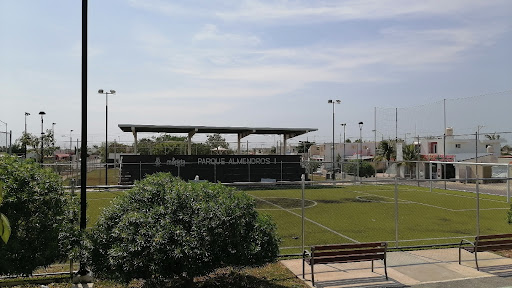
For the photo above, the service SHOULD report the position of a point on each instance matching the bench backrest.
(493, 242)
(348, 252)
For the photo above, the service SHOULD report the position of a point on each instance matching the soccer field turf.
(364, 213)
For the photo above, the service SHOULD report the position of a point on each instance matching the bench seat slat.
(492, 242)
(348, 252)
(494, 247)
(495, 236)
(348, 258)
(348, 246)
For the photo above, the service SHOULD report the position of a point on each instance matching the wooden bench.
(486, 243)
(344, 253)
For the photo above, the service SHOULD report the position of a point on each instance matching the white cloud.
(210, 32)
(314, 11)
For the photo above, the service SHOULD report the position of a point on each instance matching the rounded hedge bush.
(41, 214)
(165, 228)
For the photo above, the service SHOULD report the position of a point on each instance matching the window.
(457, 145)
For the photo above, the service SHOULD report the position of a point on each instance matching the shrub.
(509, 215)
(40, 214)
(365, 169)
(165, 228)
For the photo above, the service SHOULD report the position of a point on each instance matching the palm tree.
(493, 136)
(385, 152)
(410, 154)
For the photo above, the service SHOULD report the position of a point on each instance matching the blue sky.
(257, 63)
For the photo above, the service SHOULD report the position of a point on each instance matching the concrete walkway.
(423, 268)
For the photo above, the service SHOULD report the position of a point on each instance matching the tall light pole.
(106, 130)
(70, 143)
(25, 136)
(53, 136)
(336, 101)
(42, 134)
(6, 141)
(343, 158)
(359, 155)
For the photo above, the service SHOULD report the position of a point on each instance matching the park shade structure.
(242, 132)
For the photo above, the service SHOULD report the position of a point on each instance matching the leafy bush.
(165, 228)
(365, 168)
(509, 215)
(41, 217)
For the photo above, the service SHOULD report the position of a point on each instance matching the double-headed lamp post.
(336, 101)
(25, 136)
(101, 91)
(42, 134)
(360, 152)
(343, 158)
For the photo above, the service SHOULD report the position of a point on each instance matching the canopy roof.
(290, 132)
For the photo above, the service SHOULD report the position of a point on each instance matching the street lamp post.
(359, 155)
(70, 143)
(343, 158)
(6, 140)
(25, 136)
(42, 134)
(336, 101)
(106, 130)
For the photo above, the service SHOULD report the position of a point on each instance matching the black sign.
(214, 168)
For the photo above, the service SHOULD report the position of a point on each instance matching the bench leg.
(385, 269)
(476, 261)
(303, 264)
(372, 265)
(313, 273)
(459, 254)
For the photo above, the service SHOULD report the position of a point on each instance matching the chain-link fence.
(405, 203)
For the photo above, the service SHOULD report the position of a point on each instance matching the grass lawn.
(344, 214)
(366, 213)
(273, 275)
(97, 177)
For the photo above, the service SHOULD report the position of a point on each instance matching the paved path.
(424, 268)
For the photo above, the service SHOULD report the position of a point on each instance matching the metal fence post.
(303, 178)
(215, 172)
(281, 170)
(249, 172)
(444, 174)
(508, 183)
(396, 211)
(477, 206)
(430, 173)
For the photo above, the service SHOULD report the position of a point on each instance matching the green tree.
(165, 228)
(410, 154)
(303, 146)
(216, 141)
(34, 141)
(493, 136)
(386, 150)
(365, 168)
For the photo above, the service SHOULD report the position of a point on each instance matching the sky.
(256, 63)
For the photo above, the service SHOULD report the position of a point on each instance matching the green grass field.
(363, 213)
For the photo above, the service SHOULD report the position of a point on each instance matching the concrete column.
(134, 132)
(239, 150)
(190, 135)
